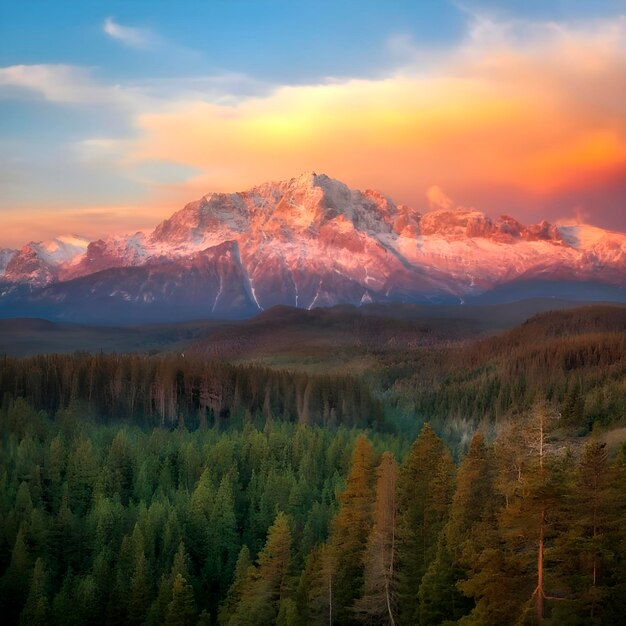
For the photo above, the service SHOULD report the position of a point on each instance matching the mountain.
(307, 242)
(40, 263)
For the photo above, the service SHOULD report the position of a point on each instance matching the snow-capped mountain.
(40, 263)
(306, 242)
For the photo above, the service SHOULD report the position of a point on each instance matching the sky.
(115, 114)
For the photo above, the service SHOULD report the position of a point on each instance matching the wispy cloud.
(71, 84)
(438, 199)
(37, 224)
(131, 36)
(57, 83)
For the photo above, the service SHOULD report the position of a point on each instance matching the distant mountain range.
(307, 242)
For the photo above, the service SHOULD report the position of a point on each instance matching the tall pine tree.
(350, 529)
(425, 485)
(377, 604)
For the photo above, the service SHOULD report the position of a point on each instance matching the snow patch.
(317, 295)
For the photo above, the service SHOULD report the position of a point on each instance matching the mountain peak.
(311, 241)
(308, 178)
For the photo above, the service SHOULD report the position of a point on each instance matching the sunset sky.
(115, 114)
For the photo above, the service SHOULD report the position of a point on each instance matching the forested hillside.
(575, 359)
(165, 489)
(296, 524)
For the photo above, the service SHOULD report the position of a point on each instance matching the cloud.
(71, 84)
(519, 110)
(58, 83)
(437, 199)
(36, 224)
(130, 36)
(520, 117)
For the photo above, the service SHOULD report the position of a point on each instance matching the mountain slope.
(306, 242)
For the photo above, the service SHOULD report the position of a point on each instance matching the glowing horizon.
(516, 114)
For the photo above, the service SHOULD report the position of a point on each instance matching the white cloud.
(101, 151)
(128, 35)
(58, 83)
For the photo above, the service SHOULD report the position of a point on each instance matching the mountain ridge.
(308, 241)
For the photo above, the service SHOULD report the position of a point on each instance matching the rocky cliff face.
(308, 242)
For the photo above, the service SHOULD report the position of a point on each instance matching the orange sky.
(531, 125)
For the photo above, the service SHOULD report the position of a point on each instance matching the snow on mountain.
(105, 254)
(63, 249)
(312, 241)
(42, 262)
(6, 254)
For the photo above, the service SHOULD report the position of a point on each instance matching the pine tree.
(118, 608)
(222, 534)
(377, 604)
(269, 582)
(583, 548)
(235, 592)
(64, 605)
(181, 610)
(36, 610)
(201, 505)
(139, 599)
(180, 565)
(425, 484)
(512, 563)
(350, 529)
(315, 588)
(615, 607)
(460, 542)
(13, 591)
(82, 471)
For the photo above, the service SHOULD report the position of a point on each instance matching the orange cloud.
(92, 222)
(521, 117)
(534, 116)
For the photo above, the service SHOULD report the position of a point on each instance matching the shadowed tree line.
(171, 390)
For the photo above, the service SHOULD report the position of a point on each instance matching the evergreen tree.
(513, 561)
(64, 605)
(139, 599)
(439, 598)
(118, 608)
(82, 472)
(269, 582)
(315, 598)
(181, 610)
(235, 592)
(350, 530)
(222, 534)
(425, 486)
(615, 607)
(584, 549)
(12, 585)
(36, 609)
(459, 545)
(377, 605)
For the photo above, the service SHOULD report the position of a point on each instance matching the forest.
(474, 483)
(300, 524)
(574, 359)
(172, 390)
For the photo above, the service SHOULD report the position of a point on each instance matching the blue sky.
(279, 41)
(79, 81)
